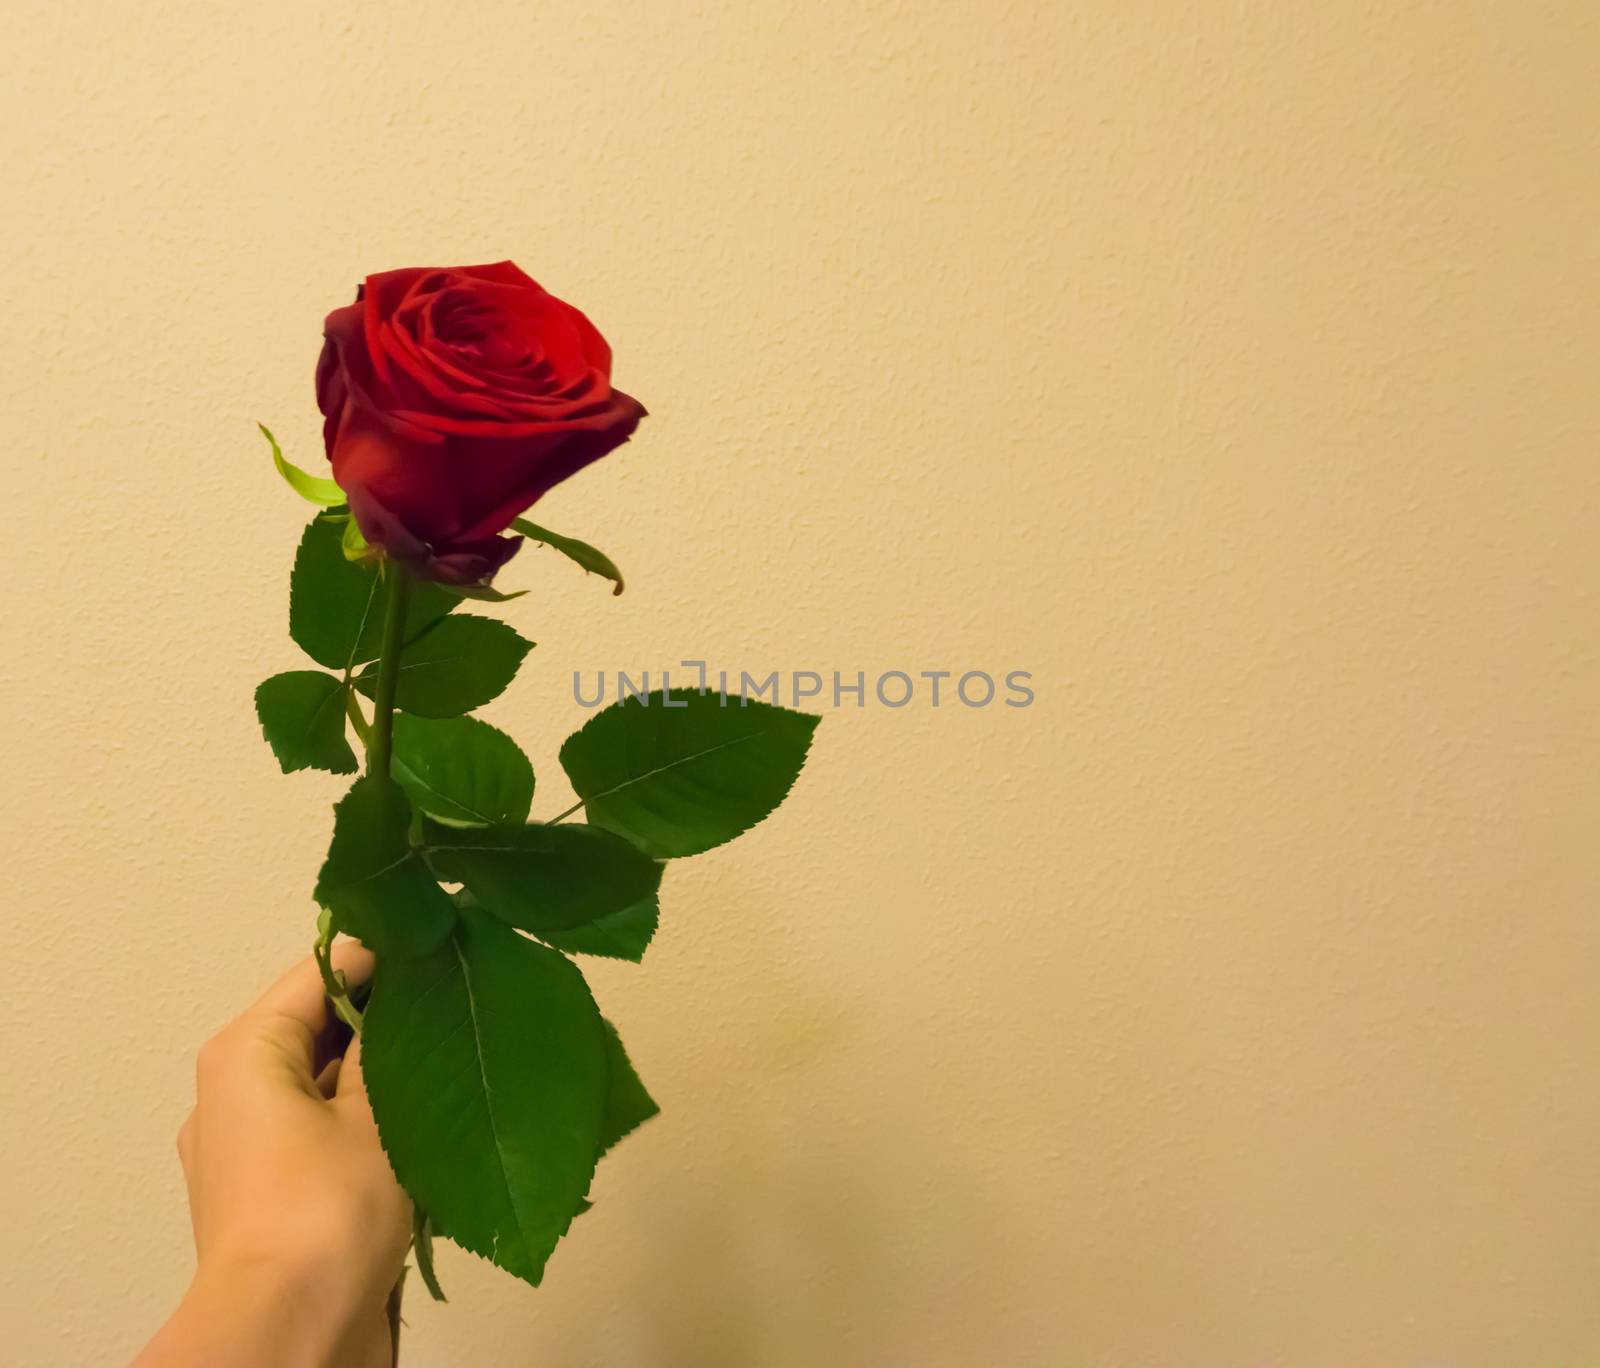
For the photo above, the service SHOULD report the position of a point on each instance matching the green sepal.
(679, 780)
(455, 666)
(355, 546)
(591, 558)
(302, 716)
(485, 593)
(315, 488)
(544, 877)
(487, 1066)
(374, 881)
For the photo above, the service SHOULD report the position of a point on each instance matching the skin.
(300, 1229)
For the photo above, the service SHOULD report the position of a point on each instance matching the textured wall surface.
(1231, 368)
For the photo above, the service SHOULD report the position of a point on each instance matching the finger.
(297, 996)
(356, 966)
(352, 1083)
(299, 993)
(331, 1042)
(295, 1009)
(328, 1079)
(353, 960)
(350, 1096)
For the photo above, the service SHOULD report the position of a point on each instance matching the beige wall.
(1232, 368)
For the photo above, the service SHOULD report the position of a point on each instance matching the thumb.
(350, 1092)
(352, 1086)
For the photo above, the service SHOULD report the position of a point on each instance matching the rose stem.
(394, 631)
(380, 744)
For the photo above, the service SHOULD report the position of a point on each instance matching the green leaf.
(376, 884)
(302, 716)
(462, 771)
(313, 487)
(628, 1105)
(422, 1242)
(589, 557)
(679, 780)
(486, 1066)
(619, 935)
(544, 878)
(457, 665)
(336, 606)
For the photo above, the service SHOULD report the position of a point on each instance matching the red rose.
(453, 399)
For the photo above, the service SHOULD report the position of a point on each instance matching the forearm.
(259, 1317)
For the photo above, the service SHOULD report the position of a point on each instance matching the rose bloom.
(453, 398)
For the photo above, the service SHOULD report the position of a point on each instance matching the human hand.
(300, 1228)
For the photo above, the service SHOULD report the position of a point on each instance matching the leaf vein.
(361, 627)
(674, 764)
(488, 1101)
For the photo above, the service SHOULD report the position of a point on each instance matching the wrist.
(285, 1310)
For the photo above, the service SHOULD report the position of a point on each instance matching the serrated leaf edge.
(366, 681)
(441, 1228)
(452, 821)
(805, 754)
(655, 926)
(273, 745)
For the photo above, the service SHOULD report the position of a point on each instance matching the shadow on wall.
(790, 1233)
